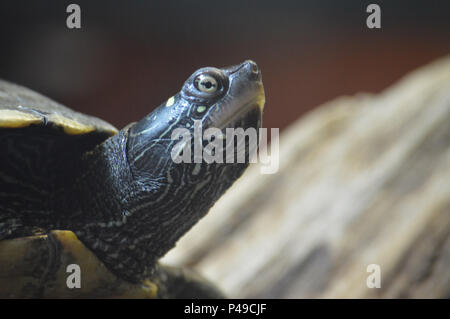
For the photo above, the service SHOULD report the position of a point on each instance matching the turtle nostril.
(254, 73)
(254, 67)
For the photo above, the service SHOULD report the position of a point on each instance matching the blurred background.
(129, 56)
(363, 182)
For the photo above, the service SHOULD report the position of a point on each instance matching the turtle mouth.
(236, 112)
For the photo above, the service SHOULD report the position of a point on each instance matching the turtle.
(80, 197)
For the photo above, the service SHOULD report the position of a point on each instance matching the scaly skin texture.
(133, 222)
(126, 199)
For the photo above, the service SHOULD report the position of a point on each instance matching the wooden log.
(362, 180)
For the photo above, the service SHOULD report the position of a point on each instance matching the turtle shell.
(38, 136)
(42, 267)
(22, 107)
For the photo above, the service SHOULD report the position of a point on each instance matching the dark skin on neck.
(133, 202)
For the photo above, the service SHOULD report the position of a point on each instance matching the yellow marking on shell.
(96, 275)
(14, 275)
(21, 261)
(150, 288)
(70, 126)
(170, 101)
(66, 237)
(92, 268)
(15, 119)
(84, 257)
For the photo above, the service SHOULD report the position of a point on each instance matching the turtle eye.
(206, 83)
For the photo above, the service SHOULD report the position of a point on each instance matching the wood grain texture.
(362, 180)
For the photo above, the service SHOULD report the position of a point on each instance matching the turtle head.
(191, 149)
(176, 162)
(210, 100)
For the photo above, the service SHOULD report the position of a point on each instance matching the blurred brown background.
(129, 56)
